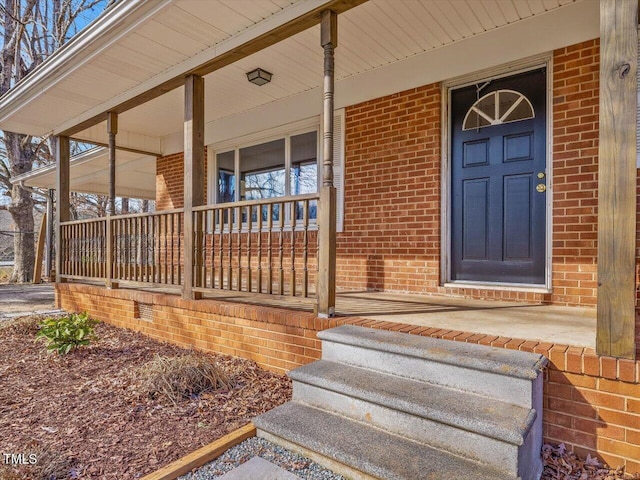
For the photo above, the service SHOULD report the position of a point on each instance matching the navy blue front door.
(498, 180)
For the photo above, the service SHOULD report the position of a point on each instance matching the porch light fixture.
(259, 76)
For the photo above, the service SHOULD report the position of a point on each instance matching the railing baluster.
(230, 252)
(203, 248)
(179, 248)
(305, 249)
(211, 227)
(249, 270)
(281, 215)
(270, 247)
(151, 239)
(221, 272)
(292, 280)
(238, 212)
(259, 272)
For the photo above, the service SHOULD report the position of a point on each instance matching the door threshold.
(510, 287)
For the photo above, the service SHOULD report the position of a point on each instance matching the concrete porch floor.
(548, 323)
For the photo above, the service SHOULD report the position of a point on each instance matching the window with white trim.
(282, 164)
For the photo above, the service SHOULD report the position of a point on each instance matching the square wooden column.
(63, 155)
(326, 284)
(617, 178)
(112, 130)
(193, 177)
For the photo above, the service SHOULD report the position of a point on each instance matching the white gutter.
(98, 36)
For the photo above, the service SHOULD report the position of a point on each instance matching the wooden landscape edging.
(203, 455)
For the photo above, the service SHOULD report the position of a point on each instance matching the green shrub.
(67, 333)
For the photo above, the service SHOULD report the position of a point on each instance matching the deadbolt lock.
(540, 174)
(541, 187)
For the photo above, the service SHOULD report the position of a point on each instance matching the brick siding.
(392, 195)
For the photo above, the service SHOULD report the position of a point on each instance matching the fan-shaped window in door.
(496, 108)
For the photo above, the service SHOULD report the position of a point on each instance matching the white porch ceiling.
(373, 35)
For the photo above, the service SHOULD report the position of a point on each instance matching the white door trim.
(531, 63)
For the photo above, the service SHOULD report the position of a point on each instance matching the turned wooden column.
(326, 283)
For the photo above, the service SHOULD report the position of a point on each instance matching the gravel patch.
(255, 446)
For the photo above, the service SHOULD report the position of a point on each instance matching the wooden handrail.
(264, 201)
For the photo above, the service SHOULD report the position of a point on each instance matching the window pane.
(226, 177)
(304, 163)
(262, 173)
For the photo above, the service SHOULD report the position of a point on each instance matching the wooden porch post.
(326, 285)
(193, 177)
(62, 196)
(50, 235)
(617, 178)
(112, 130)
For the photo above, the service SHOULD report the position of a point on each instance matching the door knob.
(541, 187)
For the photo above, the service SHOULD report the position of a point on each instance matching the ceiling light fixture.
(259, 77)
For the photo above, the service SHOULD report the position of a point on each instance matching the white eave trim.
(86, 156)
(112, 25)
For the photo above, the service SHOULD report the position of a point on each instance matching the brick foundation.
(591, 403)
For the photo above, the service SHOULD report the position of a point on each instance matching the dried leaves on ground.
(83, 413)
(560, 464)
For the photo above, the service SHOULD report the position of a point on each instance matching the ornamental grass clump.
(180, 377)
(67, 333)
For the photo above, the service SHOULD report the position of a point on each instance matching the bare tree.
(30, 31)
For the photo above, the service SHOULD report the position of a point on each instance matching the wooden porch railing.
(262, 246)
(83, 248)
(139, 248)
(147, 248)
(259, 246)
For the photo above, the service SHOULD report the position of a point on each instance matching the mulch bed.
(80, 414)
(561, 464)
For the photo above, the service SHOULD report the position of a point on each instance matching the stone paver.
(258, 468)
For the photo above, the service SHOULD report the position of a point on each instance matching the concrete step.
(467, 424)
(361, 451)
(506, 375)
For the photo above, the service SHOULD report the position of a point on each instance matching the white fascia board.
(278, 19)
(558, 28)
(118, 21)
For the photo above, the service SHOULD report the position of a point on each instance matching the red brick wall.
(575, 173)
(170, 182)
(591, 403)
(392, 196)
(391, 236)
